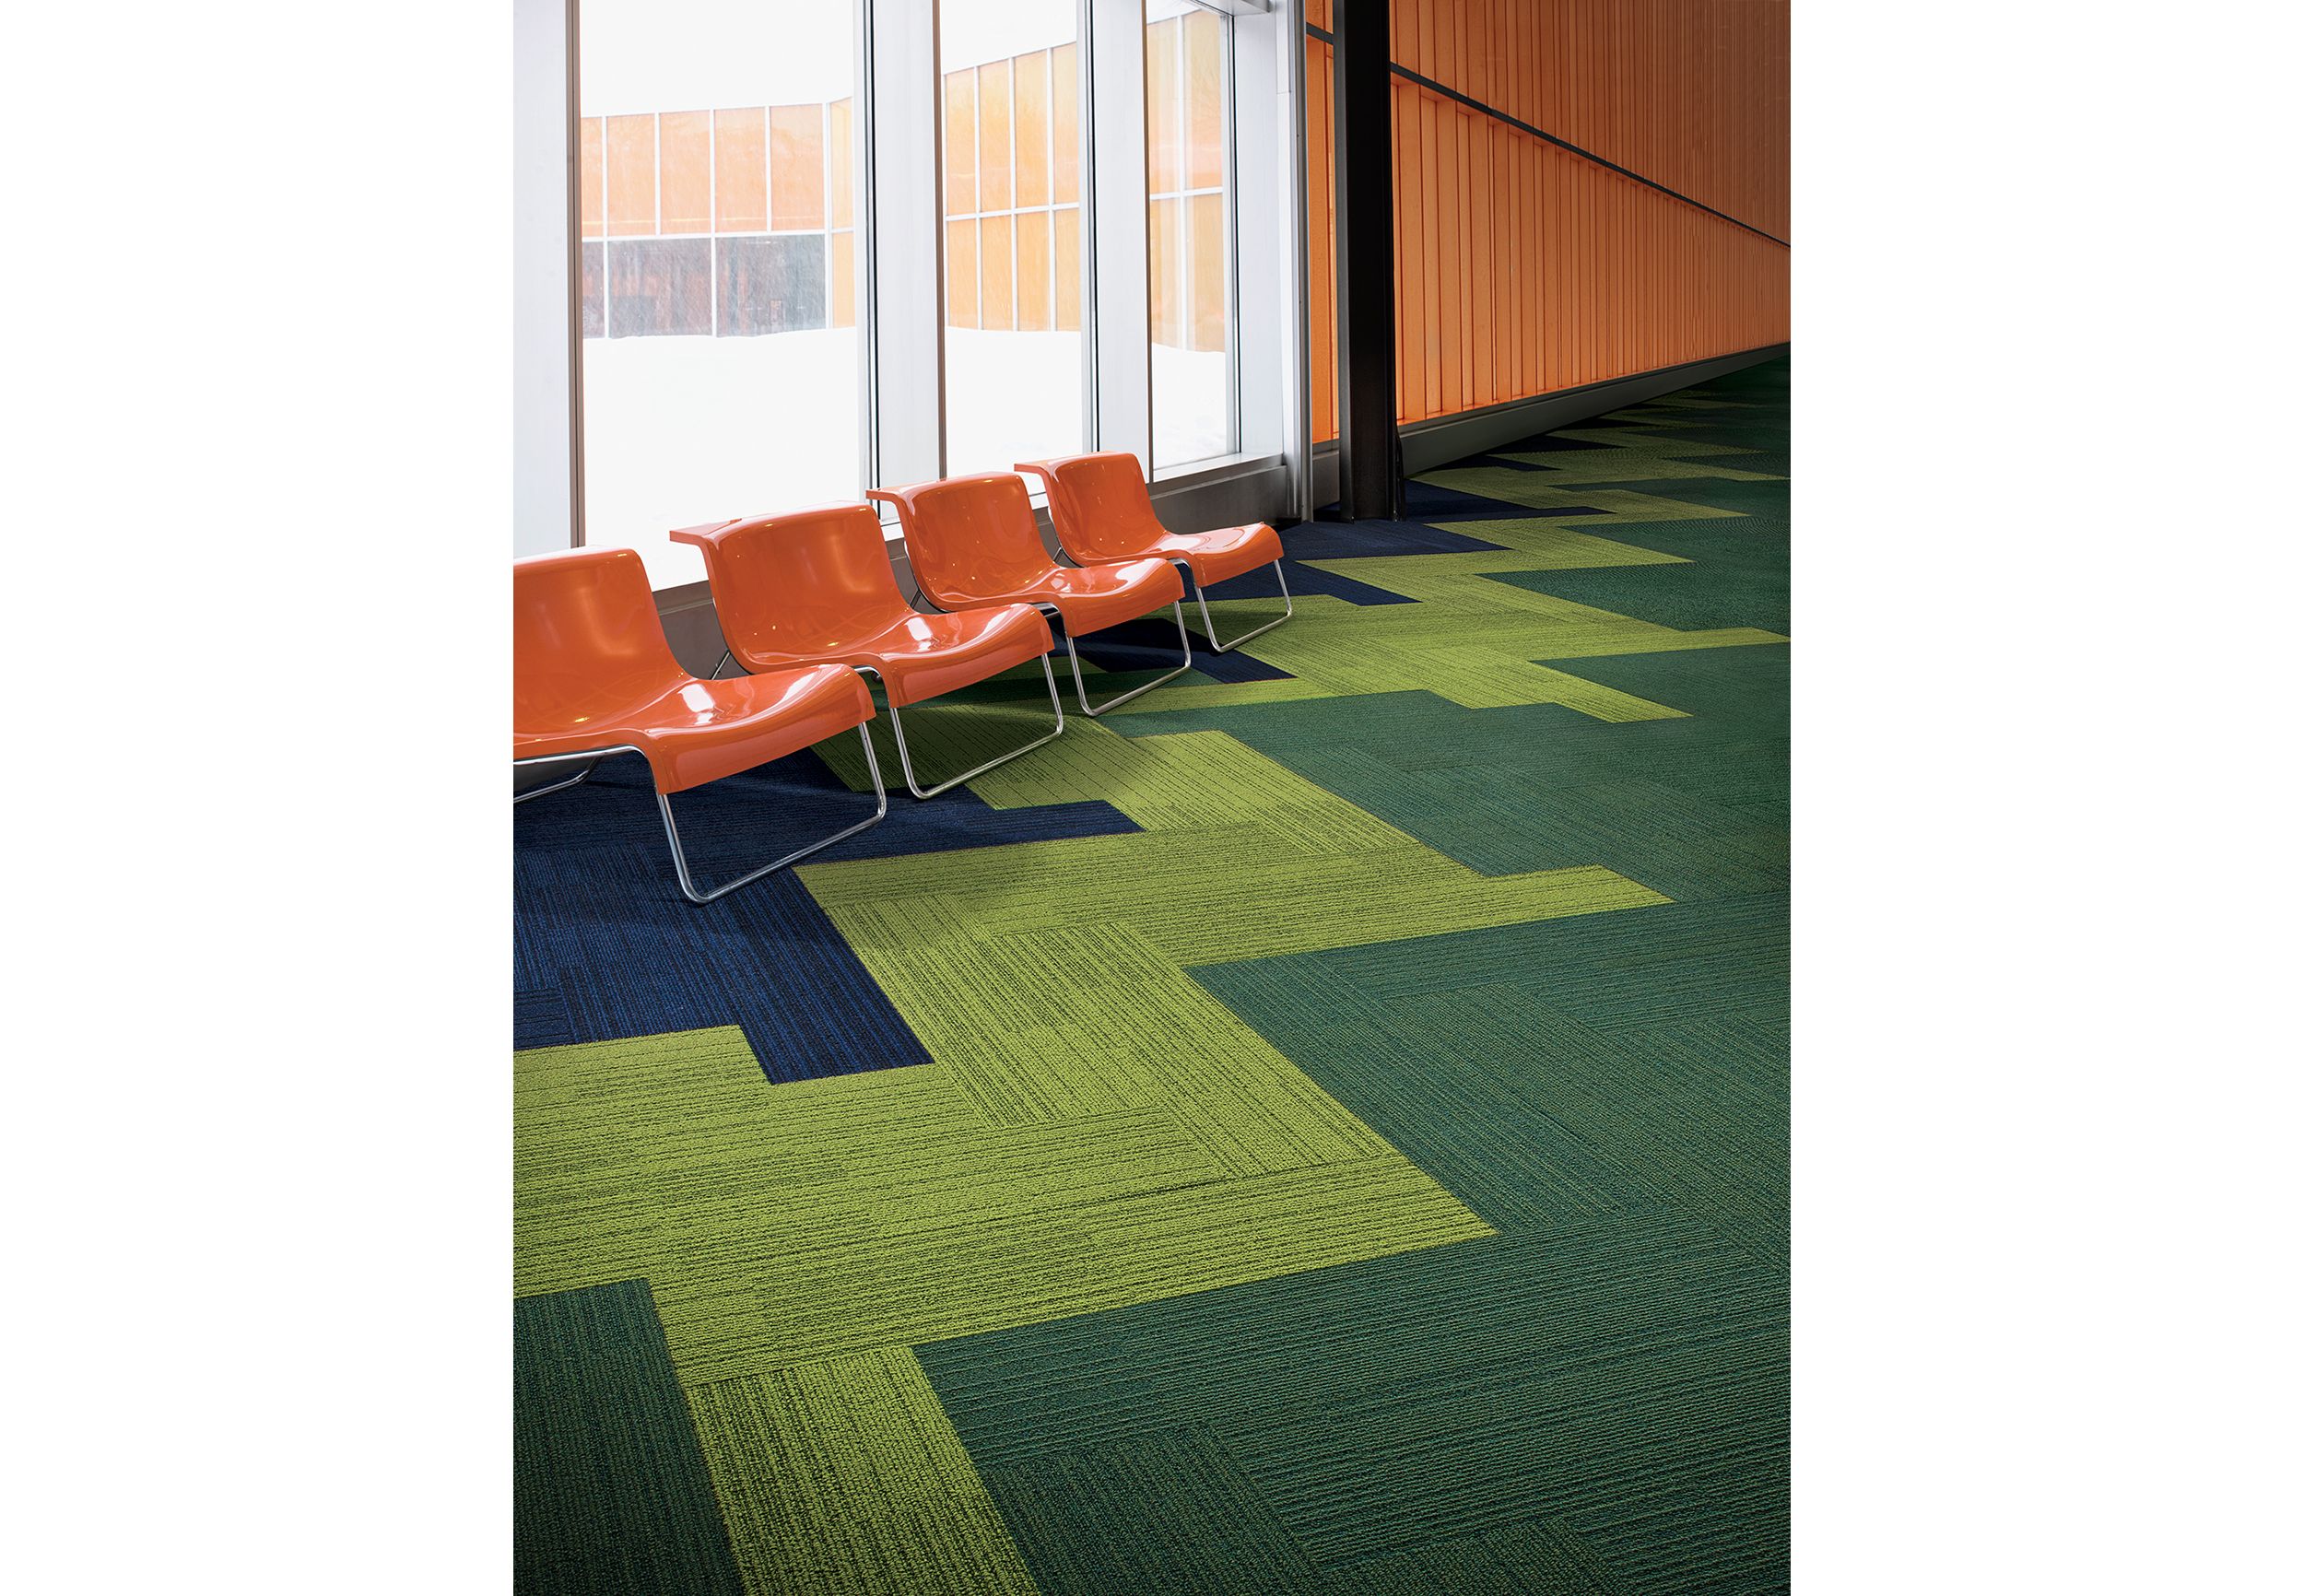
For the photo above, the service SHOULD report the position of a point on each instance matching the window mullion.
(904, 240)
(1116, 199)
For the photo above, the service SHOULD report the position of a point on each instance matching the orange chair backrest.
(810, 582)
(970, 538)
(1100, 505)
(586, 642)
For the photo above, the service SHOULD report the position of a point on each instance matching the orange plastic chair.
(973, 543)
(1103, 512)
(815, 586)
(593, 677)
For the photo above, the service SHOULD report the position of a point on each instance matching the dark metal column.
(1367, 431)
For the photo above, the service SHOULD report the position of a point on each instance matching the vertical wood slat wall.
(1320, 141)
(1522, 268)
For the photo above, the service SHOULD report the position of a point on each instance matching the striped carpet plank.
(883, 1210)
(747, 1307)
(1675, 443)
(1608, 506)
(1540, 1559)
(610, 1493)
(1539, 1376)
(1163, 1511)
(1667, 464)
(842, 1477)
(1724, 954)
(1126, 1029)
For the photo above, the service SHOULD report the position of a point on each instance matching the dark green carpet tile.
(1658, 965)
(1735, 577)
(1766, 501)
(1165, 1510)
(1691, 805)
(609, 1489)
(1171, 1511)
(1546, 1080)
(1393, 1409)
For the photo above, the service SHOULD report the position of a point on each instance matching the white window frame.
(898, 128)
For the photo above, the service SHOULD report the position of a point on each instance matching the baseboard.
(1425, 445)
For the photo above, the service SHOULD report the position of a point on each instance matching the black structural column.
(1367, 431)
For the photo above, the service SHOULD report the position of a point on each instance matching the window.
(1186, 71)
(1014, 371)
(1065, 234)
(717, 207)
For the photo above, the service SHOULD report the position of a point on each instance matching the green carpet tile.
(610, 1491)
(1366, 1177)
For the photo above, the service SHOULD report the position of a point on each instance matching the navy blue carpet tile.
(605, 946)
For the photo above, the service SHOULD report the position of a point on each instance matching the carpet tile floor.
(1319, 1131)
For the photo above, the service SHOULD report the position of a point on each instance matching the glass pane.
(720, 361)
(1187, 164)
(1012, 352)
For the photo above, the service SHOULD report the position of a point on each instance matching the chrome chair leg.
(555, 787)
(1208, 622)
(904, 754)
(1092, 710)
(680, 860)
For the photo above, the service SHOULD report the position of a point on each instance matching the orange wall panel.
(1691, 94)
(1525, 268)
(1320, 225)
(1408, 179)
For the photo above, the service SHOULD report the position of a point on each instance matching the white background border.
(2045, 949)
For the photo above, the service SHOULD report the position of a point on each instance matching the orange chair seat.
(1097, 596)
(696, 731)
(973, 543)
(1221, 554)
(923, 656)
(815, 585)
(1102, 510)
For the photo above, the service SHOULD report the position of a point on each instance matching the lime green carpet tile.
(1319, 1131)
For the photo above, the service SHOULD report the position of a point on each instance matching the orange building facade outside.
(746, 172)
(1523, 268)
(1011, 187)
(1011, 192)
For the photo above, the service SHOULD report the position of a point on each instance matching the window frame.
(1228, 111)
(897, 133)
